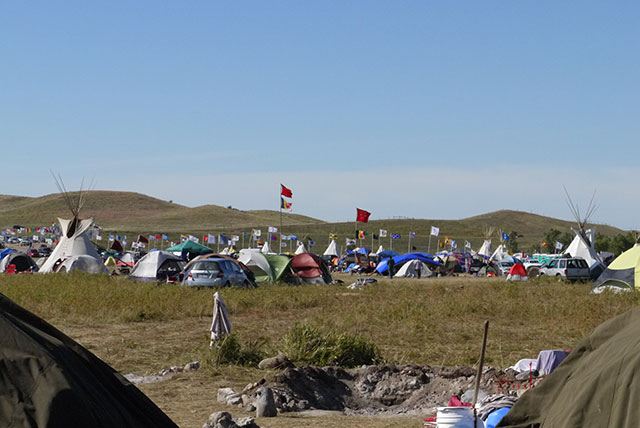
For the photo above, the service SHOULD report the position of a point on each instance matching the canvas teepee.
(582, 244)
(485, 249)
(74, 241)
(332, 249)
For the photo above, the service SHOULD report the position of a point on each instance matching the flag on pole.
(435, 231)
(285, 192)
(505, 237)
(383, 233)
(257, 232)
(362, 215)
(467, 244)
(312, 243)
(453, 244)
(350, 241)
(412, 235)
(165, 237)
(183, 238)
(285, 205)
(273, 229)
(361, 234)
(224, 240)
(333, 236)
(559, 245)
(396, 236)
(211, 239)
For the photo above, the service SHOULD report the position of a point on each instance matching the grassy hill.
(128, 212)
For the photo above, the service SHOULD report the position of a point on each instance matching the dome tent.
(622, 274)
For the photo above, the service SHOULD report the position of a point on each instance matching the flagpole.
(390, 241)
(409, 244)
(429, 250)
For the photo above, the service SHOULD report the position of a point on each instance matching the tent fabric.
(82, 263)
(74, 242)
(191, 247)
(485, 249)
(595, 386)
(280, 265)
(148, 266)
(500, 253)
(22, 261)
(49, 380)
(301, 249)
(380, 249)
(517, 273)
(311, 269)
(332, 249)
(414, 269)
(623, 272)
(403, 258)
(258, 263)
(386, 254)
(266, 248)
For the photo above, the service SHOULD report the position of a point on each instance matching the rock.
(247, 423)
(265, 405)
(220, 420)
(250, 407)
(252, 386)
(234, 400)
(280, 361)
(192, 366)
(226, 394)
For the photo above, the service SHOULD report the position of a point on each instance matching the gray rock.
(192, 366)
(247, 423)
(280, 361)
(252, 386)
(220, 420)
(250, 407)
(226, 394)
(265, 405)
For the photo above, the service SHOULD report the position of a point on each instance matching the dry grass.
(142, 328)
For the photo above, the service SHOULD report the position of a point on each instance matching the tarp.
(623, 272)
(403, 258)
(386, 254)
(191, 247)
(49, 380)
(595, 386)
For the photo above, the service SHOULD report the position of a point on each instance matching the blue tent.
(360, 251)
(5, 252)
(401, 259)
(386, 254)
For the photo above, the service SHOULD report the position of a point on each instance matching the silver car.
(575, 269)
(215, 272)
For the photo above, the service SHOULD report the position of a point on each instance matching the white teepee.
(332, 249)
(485, 249)
(266, 248)
(74, 241)
(301, 248)
(380, 249)
(582, 244)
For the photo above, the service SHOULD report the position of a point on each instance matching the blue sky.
(415, 108)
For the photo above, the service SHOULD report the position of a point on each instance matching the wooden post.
(481, 364)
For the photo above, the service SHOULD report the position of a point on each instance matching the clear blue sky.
(412, 108)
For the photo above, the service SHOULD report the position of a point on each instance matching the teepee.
(301, 248)
(485, 249)
(266, 248)
(74, 241)
(332, 249)
(582, 244)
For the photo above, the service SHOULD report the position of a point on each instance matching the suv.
(215, 272)
(574, 269)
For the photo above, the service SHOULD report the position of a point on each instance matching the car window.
(578, 263)
(561, 264)
(205, 265)
(553, 263)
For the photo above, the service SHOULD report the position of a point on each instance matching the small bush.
(309, 345)
(231, 351)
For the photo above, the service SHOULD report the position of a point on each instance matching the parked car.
(215, 272)
(13, 240)
(504, 267)
(527, 263)
(574, 269)
(33, 252)
(44, 251)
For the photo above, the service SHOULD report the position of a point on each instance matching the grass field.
(142, 328)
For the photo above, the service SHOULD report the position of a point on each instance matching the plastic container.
(457, 417)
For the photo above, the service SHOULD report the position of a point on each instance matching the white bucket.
(457, 417)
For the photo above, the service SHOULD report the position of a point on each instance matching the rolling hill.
(128, 212)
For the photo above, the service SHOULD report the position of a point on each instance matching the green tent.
(595, 386)
(623, 272)
(48, 380)
(281, 266)
(191, 247)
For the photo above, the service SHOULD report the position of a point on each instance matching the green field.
(143, 328)
(128, 213)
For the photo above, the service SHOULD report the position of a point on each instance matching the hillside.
(128, 212)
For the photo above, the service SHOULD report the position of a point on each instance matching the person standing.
(390, 265)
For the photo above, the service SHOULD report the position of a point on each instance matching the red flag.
(286, 192)
(205, 238)
(158, 236)
(143, 239)
(363, 215)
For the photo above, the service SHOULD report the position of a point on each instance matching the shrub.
(231, 351)
(310, 345)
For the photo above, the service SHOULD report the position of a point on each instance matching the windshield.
(205, 265)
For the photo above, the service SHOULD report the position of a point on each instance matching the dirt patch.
(382, 389)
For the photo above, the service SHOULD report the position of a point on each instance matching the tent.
(414, 269)
(380, 249)
(189, 247)
(82, 263)
(22, 261)
(403, 258)
(49, 380)
(332, 249)
(266, 248)
(593, 387)
(156, 265)
(500, 253)
(582, 246)
(280, 265)
(622, 273)
(301, 248)
(517, 273)
(73, 242)
(128, 259)
(311, 269)
(485, 249)
(257, 262)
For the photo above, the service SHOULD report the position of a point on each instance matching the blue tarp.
(360, 251)
(401, 259)
(386, 254)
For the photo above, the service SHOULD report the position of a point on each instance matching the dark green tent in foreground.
(597, 385)
(48, 380)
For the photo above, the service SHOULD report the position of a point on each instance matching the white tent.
(485, 249)
(332, 249)
(380, 249)
(73, 242)
(414, 269)
(257, 262)
(581, 247)
(301, 248)
(83, 263)
(153, 263)
(500, 253)
(266, 248)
